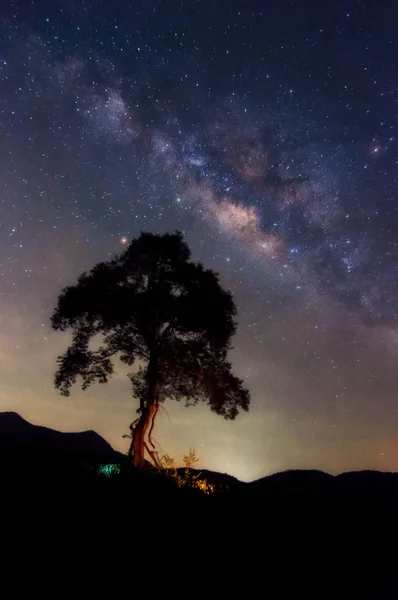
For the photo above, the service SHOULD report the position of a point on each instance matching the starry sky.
(268, 133)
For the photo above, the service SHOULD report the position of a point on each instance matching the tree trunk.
(149, 409)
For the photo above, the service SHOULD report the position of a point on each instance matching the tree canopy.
(156, 309)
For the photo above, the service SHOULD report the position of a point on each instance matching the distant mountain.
(298, 482)
(20, 436)
(292, 480)
(373, 481)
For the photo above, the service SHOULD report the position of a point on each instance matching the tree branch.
(107, 355)
(152, 454)
(113, 352)
(185, 370)
(153, 423)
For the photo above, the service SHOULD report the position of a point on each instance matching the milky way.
(268, 137)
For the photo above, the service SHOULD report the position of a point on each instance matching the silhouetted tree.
(161, 312)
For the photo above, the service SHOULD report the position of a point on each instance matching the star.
(376, 149)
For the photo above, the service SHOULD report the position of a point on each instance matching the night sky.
(267, 133)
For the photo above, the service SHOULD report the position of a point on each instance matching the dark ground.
(293, 532)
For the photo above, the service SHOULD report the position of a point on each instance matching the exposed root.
(152, 454)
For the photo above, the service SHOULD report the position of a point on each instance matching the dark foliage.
(152, 304)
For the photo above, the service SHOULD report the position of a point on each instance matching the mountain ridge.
(16, 433)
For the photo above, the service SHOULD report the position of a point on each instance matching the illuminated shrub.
(188, 478)
(109, 469)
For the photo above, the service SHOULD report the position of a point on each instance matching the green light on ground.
(109, 469)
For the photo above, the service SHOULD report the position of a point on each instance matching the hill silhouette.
(313, 481)
(18, 435)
